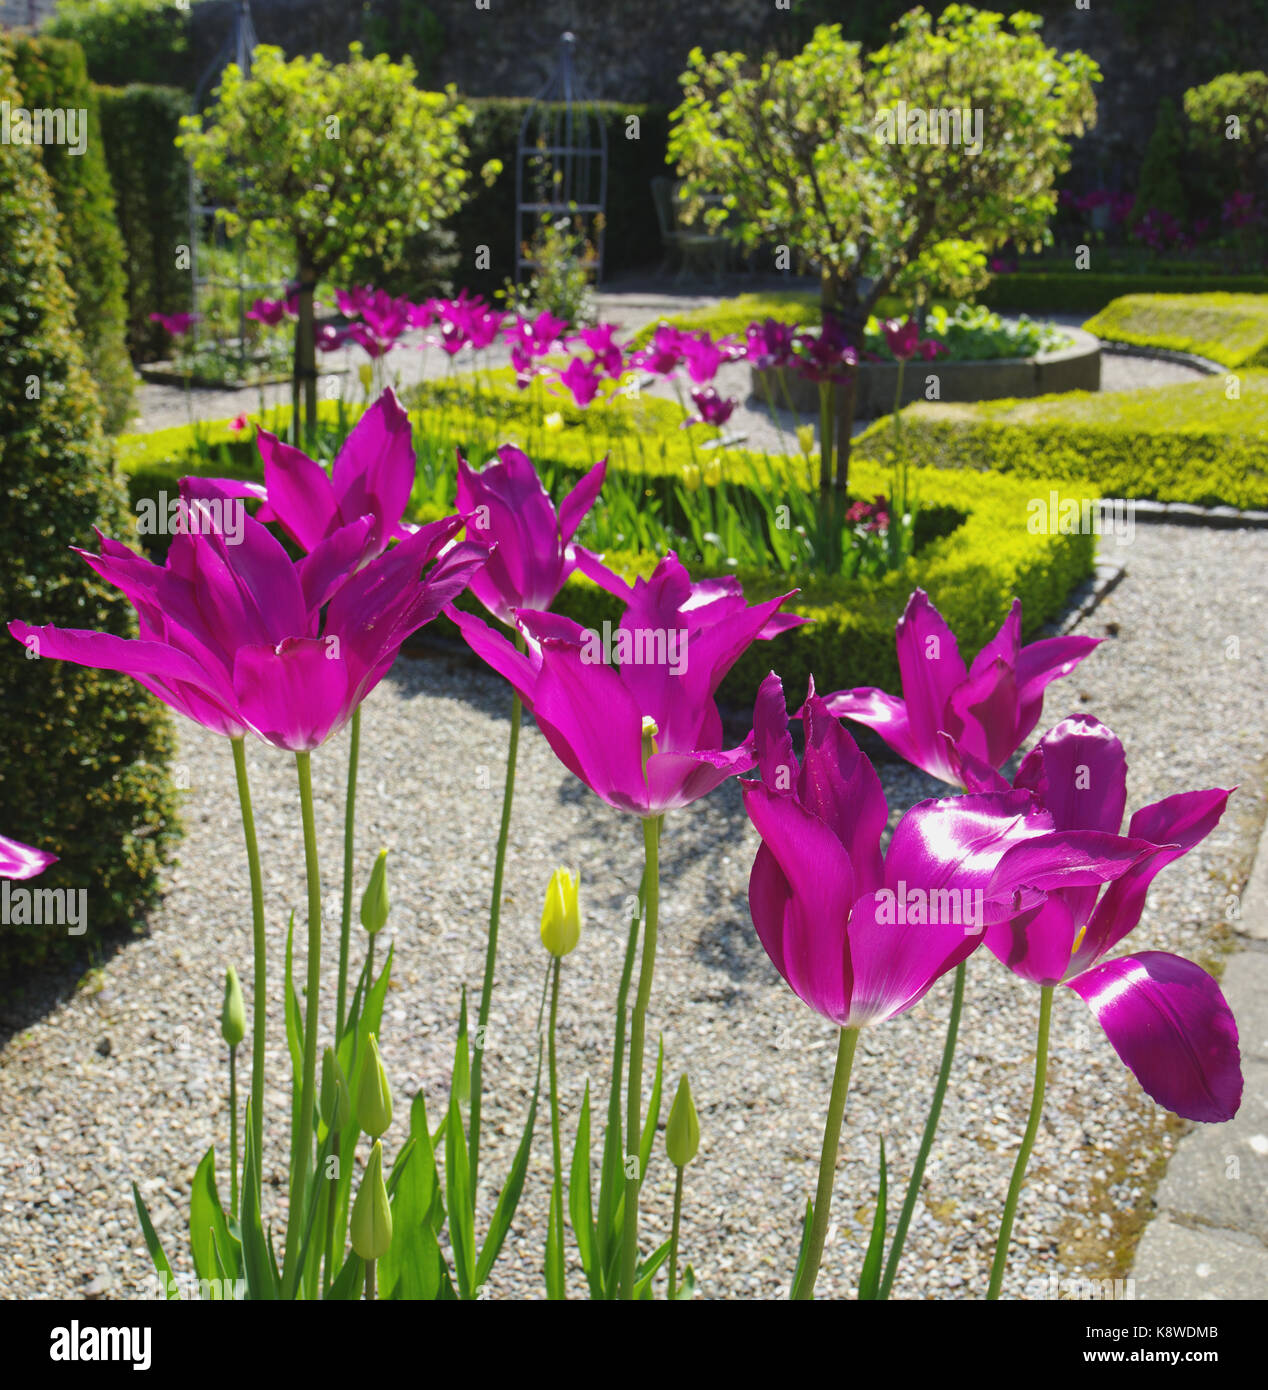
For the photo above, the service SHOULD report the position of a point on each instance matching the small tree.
(1161, 186)
(897, 170)
(1229, 124)
(340, 158)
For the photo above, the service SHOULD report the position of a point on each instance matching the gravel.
(124, 1078)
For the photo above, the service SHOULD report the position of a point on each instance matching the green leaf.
(155, 1246)
(647, 1272)
(869, 1280)
(805, 1240)
(258, 1263)
(348, 1283)
(555, 1246)
(510, 1195)
(458, 1199)
(413, 1265)
(460, 1082)
(208, 1226)
(580, 1195)
(653, 1113)
(687, 1285)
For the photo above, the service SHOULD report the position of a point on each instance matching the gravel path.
(124, 1078)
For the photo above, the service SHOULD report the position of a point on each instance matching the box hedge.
(1204, 442)
(1088, 291)
(83, 753)
(972, 572)
(1231, 329)
(50, 73)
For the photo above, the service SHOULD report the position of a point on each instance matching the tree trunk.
(840, 300)
(306, 347)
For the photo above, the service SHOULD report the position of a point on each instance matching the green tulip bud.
(335, 1103)
(374, 1095)
(233, 1016)
(371, 1212)
(374, 905)
(682, 1134)
(561, 916)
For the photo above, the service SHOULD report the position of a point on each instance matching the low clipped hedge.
(1189, 443)
(1088, 291)
(1231, 329)
(972, 573)
(733, 316)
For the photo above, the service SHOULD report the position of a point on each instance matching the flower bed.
(1231, 329)
(1189, 443)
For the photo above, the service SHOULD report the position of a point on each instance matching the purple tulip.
(331, 339)
(22, 861)
(538, 336)
(961, 725)
(352, 302)
(674, 645)
(372, 476)
(1164, 1015)
(860, 936)
(505, 504)
(663, 354)
(607, 354)
(711, 408)
(240, 638)
(769, 344)
(582, 379)
(269, 312)
(824, 355)
(902, 339)
(702, 356)
(175, 324)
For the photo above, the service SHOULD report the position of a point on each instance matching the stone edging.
(1182, 359)
(1185, 514)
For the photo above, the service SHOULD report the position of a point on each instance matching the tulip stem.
(304, 1141)
(259, 1000)
(805, 1289)
(926, 1139)
(349, 836)
(233, 1133)
(557, 1148)
(1027, 1143)
(491, 950)
(638, 1028)
(370, 1292)
(673, 1238)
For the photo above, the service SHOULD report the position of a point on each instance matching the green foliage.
(128, 40)
(1160, 185)
(1189, 443)
(1243, 95)
(561, 278)
(1231, 329)
(83, 753)
(404, 29)
(801, 155)
(338, 157)
(974, 554)
(1066, 291)
(139, 126)
(50, 73)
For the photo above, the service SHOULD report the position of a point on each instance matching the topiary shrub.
(139, 126)
(83, 753)
(50, 73)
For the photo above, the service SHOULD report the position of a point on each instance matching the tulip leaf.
(458, 1200)
(510, 1196)
(805, 1240)
(647, 1272)
(162, 1265)
(208, 1227)
(555, 1246)
(347, 1286)
(653, 1113)
(870, 1279)
(460, 1082)
(687, 1287)
(413, 1265)
(258, 1263)
(580, 1196)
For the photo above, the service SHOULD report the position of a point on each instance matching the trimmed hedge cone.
(83, 753)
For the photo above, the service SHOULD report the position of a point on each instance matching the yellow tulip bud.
(713, 472)
(233, 1016)
(691, 477)
(374, 1095)
(334, 1102)
(561, 916)
(682, 1134)
(374, 904)
(372, 1212)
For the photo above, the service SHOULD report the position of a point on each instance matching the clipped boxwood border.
(1087, 291)
(972, 574)
(1231, 329)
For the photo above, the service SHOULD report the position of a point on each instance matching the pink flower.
(176, 324)
(582, 379)
(713, 409)
(902, 339)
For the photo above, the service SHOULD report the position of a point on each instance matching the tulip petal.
(1172, 826)
(332, 560)
(1004, 646)
(573, 508)
(299, 492)
(803, 924)
(887, 715)
(1079, 771)
(592, 566)
(1035, 944)
(294, 695)
(931, 667)
(840, 786)
(959, 840)
(1041, 663)
(373, 472)
(22, 861)
(894, 963)
(772, 739)
(1170, 1024)
(492, 648)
